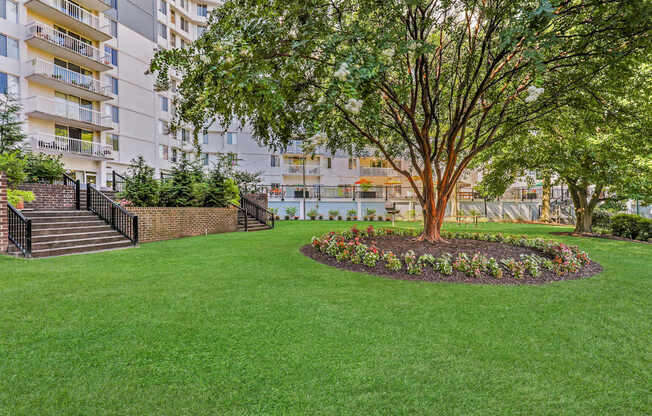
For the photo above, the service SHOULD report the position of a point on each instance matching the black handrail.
(260, 213)
(20, 230)
(118, 182)
(244, 212)
(69, 181)
(115, 215)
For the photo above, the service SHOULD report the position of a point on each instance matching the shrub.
(313, 213)
(371, 213)
(220, 190)
(44, 168)
(290, 211)
(601, 218)
(13, 165)
(412, 263)
(631, 226)
(339, 217)
(141, 189)
(179, 190)
(351, 213)
(333, 213)
(15, 196)
(392, 262)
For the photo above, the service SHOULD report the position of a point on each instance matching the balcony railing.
(49, 143)
(369, 171)
(56, 37)
(38, 66)
(77, 13)
(298, 170)
(65, 109)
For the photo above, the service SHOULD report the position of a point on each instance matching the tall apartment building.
(78, 68)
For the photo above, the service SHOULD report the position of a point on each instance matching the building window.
(174, 155)
(114, 112)
(9, 85)
(114, 4)
(114, 84)
(9, 10)
(173, 17)
(352, 164)
(329, 162)
(275, 161)
(184, 24)
(113, 140)
(164, 104)
(231, 138)
(163, 151)
(205, 137)
(184, 4)
(173, 40)
(232, 159)
(204, 159)
(114, 28)
(112, 54)
(200, 30)
(164, 30)
(183, 44)
(202, 10)
(8, 47)
(163, 7)
(185, 135)
(163, 128)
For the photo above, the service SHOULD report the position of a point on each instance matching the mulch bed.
(604, 236)
(400, 245)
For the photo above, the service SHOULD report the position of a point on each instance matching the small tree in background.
(141, 189)
(11, 132)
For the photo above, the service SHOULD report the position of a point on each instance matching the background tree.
(598, 144)
(141, 189)
(434, 82)
(11, 132)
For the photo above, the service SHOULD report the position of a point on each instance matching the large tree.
(599, 144)
(434, 82)
(11, 131)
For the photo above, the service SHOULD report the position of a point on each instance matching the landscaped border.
(542, 260)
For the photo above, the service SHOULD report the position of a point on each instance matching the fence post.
(78, 194)
(135, 229)
(88, 196)
(113, 181)
(28, 239)
(4, 217)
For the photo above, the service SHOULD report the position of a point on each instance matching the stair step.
(68, 213)
(73, 236)
(80, 249)
(68, 224)
(36, 246)
(69, 230)
(71, 219)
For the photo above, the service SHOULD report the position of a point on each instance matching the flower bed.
(466, 256)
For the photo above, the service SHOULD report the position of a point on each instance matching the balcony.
(369, 171)
(297, 170)
(65, 80)
(71, 15)
(60, 145)
(60, 44)
(67, 113)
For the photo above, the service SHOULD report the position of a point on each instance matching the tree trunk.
(545, 200)
(583, 208)
(434, 210)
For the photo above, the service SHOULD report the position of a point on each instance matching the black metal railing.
(118, 183)
(69, 181)
(20, 230)
(244, 215)
(260, 213)
(115, 215)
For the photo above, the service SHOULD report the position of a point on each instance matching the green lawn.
(244, 324)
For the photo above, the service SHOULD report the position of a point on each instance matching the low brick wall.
(161, 223)
(4, 222)
(50, 196)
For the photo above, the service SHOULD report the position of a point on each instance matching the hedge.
(631, 226)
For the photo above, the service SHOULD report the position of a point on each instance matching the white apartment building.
(78, 69)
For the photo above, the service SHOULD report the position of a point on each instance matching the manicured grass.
(244, 324)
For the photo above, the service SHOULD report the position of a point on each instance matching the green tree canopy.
(434, 82)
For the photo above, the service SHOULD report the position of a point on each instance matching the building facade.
(79, 70)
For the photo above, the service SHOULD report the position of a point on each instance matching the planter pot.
(21, 204)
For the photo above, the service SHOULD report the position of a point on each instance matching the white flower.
(342, 72)
(353, 106)
(388, 53)
(228, 60)
(205, 59)
(533, 93)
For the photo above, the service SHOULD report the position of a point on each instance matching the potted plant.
(321, 217)
(371, 214)
(350, 214)
(291, 212)
(365, 187)
(332, 214)
(17, 198)
(380, 218)
(313, 214)
(339, 218)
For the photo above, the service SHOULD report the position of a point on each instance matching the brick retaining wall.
(4, 222)
(50, 196)
(161, 223)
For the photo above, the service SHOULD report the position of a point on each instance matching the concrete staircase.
(252, 223)
(56, 233)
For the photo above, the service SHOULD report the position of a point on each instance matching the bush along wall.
(632, 226)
